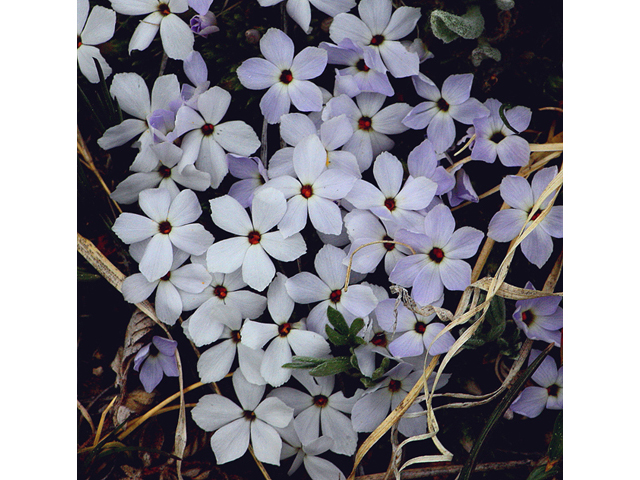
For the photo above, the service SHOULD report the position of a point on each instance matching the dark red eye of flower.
(362, 66)
(207, 129)
(220, 292)
(306, 191)
(377, 40)
(389, 246)
(535, 215)
(436, 254)
(335, 296)
(497, 137)
(394, 385)
(379, 339)
(164, 9)
(420, 327)
(164, 227)
(390, 203)
(254, 237)
(527, 317)
(235, 336)
(284, 329)
(165, 172)
(166, 277)
(443, 105)
(320, 401)
(286, 76)
(249, 415)
(364, 123)
(79, 42)
(553, 390)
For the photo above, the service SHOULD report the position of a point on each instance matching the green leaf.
(337, 320)
(84, 276)
(447, 26)
(555, 446)
(354, 362)
(484, 51)
(335, 338)
(378, 372)
(356, 326)
(304, 362)
(331, 367)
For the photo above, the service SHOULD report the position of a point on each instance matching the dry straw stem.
(86, 416)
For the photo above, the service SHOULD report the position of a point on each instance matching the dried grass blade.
(86, 416)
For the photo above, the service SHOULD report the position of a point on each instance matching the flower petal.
(231, 441)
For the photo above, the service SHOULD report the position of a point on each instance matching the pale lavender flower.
(317, 468)
(321, 409)
(168, 223)
(252, 173)
(196, 71)
(204, 24)
(378, 31)
(540, 318)
(358, 77)
(154, 360)
(177, 39)
(533, 400)
(235, 426)
(300, 10)
(423, 162)
(94, 29)
(287, 77)
(255, 243)
(438, 262)
(507, 224)
(392, 200)
(371, 124)
(441, 109)
(328, 289)
(414, 333)
(494, 138)
(463, 190)
(284, 335)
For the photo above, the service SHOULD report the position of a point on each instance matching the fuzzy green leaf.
(447, 26)
(331, 367)
(337, 320)
(304, 362)
(356, 326)
(335, 338)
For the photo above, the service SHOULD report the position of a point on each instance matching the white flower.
(300, 10)
(177, 38)
(168, 224)
(255, 243)
(96, 29)
(234, 425)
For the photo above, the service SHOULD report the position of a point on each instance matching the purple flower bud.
(204, 25)
(252, 36)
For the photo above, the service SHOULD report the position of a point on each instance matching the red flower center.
(535, 215)
(164, 227)
(235, 336)
(379, 339)
(436, 254)
(286, 76)
(220, 292)
(390, 203)
(320, 401)
(166, 277)
(377, 40)
(249, 415)
(284, 329)
(389, 246)
(207, 129)
(79, 42)
(164, 9)
(364, 123)
(164, 171)
(420, 327)
(362, 66)
(443, 105)
(306, 191)
(527, 317)
(553, 390)
(394, 385)
(335, 296)
(254, 237)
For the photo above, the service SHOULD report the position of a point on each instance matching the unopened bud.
(252, 36)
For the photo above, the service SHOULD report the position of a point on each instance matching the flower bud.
(204, 25)
(252, 36)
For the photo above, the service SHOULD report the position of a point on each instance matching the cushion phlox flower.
(533, 400)
(216, 362)
(328, 289)
(177, 38)
(438, 261)
(378, 31)
(442, 108)
(287, 77)
(413, 333)
(254, 421)
(463, 190)
(192, 278)
(284, 335)
(371, 124)
(165, 175)
(255, 243)
(318, 468)
(520, 196)
(363, 228)
(206, 140)
(154, 360)
(494, 138)
(168, 223)
(321, 410)
(422, 161)
(392, 200)
(314, 190)
(252, 173)
(132, 94)
(196, 71)
(300, 10)
(358, 77)
(94, 29)
(540, 318)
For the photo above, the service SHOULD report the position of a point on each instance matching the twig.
(263, 470)
(427, 472)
